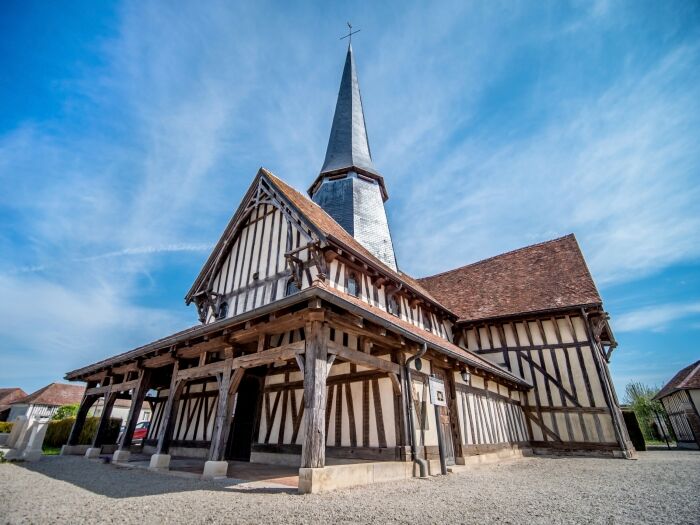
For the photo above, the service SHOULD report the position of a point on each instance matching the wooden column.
(80, 417)
(98, 440)
(169, 412)
(136, 404)
(228, 386)
(313, 451)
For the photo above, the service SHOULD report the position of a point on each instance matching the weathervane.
(350, 33)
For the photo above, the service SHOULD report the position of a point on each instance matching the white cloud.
(656, 318)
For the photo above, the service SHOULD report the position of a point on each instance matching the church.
(314, 350)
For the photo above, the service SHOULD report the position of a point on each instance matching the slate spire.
(349, 188)
(348, 146)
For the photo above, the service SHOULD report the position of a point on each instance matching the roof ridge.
(522, 248)
(696, 367)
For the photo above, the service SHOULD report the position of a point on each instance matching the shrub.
(641, 400)
(5, 427)
(65, 411)
(58, 432)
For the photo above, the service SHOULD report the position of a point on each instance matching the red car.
(141, 431)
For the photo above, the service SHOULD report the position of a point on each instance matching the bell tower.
(349, 188)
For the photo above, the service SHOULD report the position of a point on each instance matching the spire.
(348, 188)
(348, 146)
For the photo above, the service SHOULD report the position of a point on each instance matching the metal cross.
(350, 33)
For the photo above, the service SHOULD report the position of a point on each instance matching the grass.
(51, 451)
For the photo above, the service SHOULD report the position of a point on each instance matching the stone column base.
(93, 452)
(160, 461)
(74, 450)
(120, 455)
(32, 455)
(215, 469)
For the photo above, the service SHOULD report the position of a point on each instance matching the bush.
(58, 432)
(65, 411)
(5, 427)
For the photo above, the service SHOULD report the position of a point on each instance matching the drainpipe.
(422, 464)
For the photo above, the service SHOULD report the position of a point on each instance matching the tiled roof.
(686, 379)
(432, 339)
(329, 227)
(55, 394)
(545, 276)
(9, 396)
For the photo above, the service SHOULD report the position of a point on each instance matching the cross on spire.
(350, 33)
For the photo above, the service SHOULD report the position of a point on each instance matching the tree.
(640, 397)
(65, 411)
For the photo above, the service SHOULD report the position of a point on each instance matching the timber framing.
(247, 327)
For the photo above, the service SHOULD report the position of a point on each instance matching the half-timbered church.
(313, 348)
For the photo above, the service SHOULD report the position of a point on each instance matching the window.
(223, 310)
(292, 287)
(394, 306)
(426, 321)
(353, 288)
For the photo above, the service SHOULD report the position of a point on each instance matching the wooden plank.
(379, 416)
(168, 421)
(365, 413)
(351, 415)
(135, 408)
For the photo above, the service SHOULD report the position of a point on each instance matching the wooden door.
(445, 419)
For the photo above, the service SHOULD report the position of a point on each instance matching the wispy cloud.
(483, 117)
(658, 318)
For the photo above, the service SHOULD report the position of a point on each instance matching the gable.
(266, 243)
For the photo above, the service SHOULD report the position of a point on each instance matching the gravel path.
(661, 487)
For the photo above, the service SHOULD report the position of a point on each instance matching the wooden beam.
(135, 408)
(313, 451)
(201, 371)
(119, 387)
(224, 410)
(279, 325)
(363, 359)
(273, 355)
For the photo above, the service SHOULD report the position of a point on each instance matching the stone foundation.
(315, 480)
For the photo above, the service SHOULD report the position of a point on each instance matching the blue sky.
(130, 131)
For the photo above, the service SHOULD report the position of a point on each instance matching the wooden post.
(136, 404)
(228, 386)
(80, 417)
(169, 411)
(313, 451)
(98, 440)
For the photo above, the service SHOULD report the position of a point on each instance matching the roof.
(54, 394)
(334, 231)
(348, 145)
(317, 290)
(433, 340)
(686, 379)
(9, 396)
(542, 277)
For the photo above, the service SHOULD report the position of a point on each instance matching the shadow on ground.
(114, 481)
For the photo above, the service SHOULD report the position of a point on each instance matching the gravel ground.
(661, 487)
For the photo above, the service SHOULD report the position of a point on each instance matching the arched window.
(353, 287)
(223, 310)
(394, 306)
(292, 288)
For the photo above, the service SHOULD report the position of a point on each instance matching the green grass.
(51, 451)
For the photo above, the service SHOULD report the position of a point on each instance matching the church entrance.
(243, 424)
(445, 419)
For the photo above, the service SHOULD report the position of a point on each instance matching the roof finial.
(350, 33)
